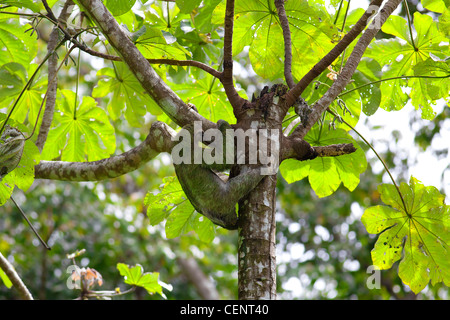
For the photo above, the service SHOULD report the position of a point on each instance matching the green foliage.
(171, 203)
(82, 131)
(5, 279)
(258, 26)
(127, 94)
(325, 174)
(17, 46)
(135, 276)
(153, 45)
(119, 7)
(13, 78)
(394, 71)
(208, 97)
(22, 4)
(401, 57)
(414, 229)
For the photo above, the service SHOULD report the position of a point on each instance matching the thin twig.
(48, 90)
(27, 85)
(350, 67)
(376, 154)
(30, 224)
(151, 82)
(393, 78)
(326, 61)
(187, 63)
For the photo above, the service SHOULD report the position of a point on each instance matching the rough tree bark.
(257, 242)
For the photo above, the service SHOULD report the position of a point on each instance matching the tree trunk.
(256, 249)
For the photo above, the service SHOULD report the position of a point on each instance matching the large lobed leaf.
(13, 78)
(81, 132)
(135, 276)
(257, 26)
(400, 57)
(126, 95)
(209, 98)
(17, 46)
(418, 231)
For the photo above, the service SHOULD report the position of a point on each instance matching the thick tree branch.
(323, 64)
(165, 97)
(335, 150)
(279, 4)
(158, 140)
(227, 78)
(347, 72)
(294, 147)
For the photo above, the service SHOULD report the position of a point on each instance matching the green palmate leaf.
(203, 47)
(181, 220)
(13, 78)
(204, 228)
(81, 133)
(444, 22)
(436, 78)
(209, 97)
(17, 46)
(325, 174)
(436, 5)
(186, 6)
(164, 18)
(257, 25)
(153, 45)
(159, 204)
(418, 229)
(135, 276)
(399, 60)
(21, 4)
(262, 51)
(366, 77)
(171, 203)
(126, 95)
(202, 20)
(119, 7)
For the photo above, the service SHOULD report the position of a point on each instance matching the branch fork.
(157, 141)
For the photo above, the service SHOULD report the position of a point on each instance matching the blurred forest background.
(324, 255)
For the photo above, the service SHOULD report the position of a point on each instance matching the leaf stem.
(342, 30)
(338, 12)
(168, 15)
(48, 89)
(30, 224)
(76, 88)
(408, 14)
(376, 154)
(393, 78)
